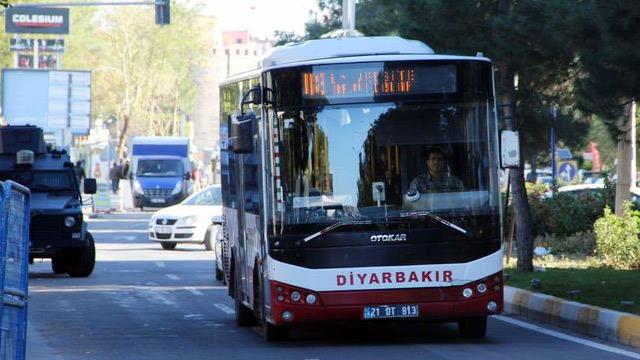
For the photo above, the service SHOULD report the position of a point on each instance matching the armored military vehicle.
(57, 229)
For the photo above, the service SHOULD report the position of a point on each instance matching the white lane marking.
(116, 220)
(114, 231)
(568, 337)
(225, 309)
(173, 277)
(159, 264)
(193, 290)
(114, 288)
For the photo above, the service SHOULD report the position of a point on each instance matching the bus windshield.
(377, 161)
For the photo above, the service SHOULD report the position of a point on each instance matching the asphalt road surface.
(143, 302)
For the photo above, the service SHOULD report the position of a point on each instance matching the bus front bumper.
(434, 304)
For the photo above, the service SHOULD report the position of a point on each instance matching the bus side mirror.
(509, 149)
(90, 186)
(241, 134)
(251, 97)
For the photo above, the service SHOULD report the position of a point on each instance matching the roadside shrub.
(567, 213)
(617, 239)
(581, 243)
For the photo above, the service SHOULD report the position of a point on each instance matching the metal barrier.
(14, 269)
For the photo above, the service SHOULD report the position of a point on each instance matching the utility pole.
(553, 146)
(348, 15)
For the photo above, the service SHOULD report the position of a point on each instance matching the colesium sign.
(37, 20)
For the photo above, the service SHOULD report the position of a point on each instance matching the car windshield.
(41, 181)
(159, 168)
(382, 161)
(207, 197)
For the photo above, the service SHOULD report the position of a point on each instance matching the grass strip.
(597, 285)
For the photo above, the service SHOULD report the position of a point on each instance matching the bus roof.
(346, 50)
(343, 47)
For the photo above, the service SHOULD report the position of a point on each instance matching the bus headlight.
(467, 292)
(492, 306)
(69, 221)
(287, 315)
(295, 296)
(482, 288)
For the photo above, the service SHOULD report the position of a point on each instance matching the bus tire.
(270, 332)
(244, 315)
(473, 327)
(81, 263)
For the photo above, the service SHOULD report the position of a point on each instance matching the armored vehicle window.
(41, 180)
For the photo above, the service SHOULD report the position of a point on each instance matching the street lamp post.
(553, 146)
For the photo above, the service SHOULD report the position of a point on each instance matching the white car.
(189, 221)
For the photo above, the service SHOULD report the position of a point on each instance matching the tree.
(141, 72)
(609, 84)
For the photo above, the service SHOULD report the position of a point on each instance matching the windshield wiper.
(334, 226)
(435, 217)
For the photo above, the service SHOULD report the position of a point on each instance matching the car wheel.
(208, 240)
(473, 327)
(219, 273)
(81, 263)
(59, 264)
(168, 245)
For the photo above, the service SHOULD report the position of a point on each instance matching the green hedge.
(617, 238)
(565, 213)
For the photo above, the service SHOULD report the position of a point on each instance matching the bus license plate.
(391, 311)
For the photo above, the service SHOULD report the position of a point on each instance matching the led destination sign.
(369, 80)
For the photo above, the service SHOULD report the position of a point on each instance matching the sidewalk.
(615, 326)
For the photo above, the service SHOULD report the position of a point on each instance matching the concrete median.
(610, 325)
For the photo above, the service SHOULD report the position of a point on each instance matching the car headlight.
(69, 221)
(189, 220)
(137, 188)
(177, 188)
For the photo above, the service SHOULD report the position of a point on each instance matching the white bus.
(360, 183)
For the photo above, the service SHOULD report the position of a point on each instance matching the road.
(146, 303)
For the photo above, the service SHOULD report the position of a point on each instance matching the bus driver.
(436, 179)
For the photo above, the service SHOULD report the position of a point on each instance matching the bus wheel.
(473, 327)
(270, 332)
(244, 316)
(274, 333)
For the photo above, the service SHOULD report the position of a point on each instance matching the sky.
(261, 17)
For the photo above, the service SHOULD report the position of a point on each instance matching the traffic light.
(163, 12)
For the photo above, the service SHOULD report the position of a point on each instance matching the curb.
(610, 325)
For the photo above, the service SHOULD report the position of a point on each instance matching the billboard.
(44, 45)
(36, 20)
(50, 99)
